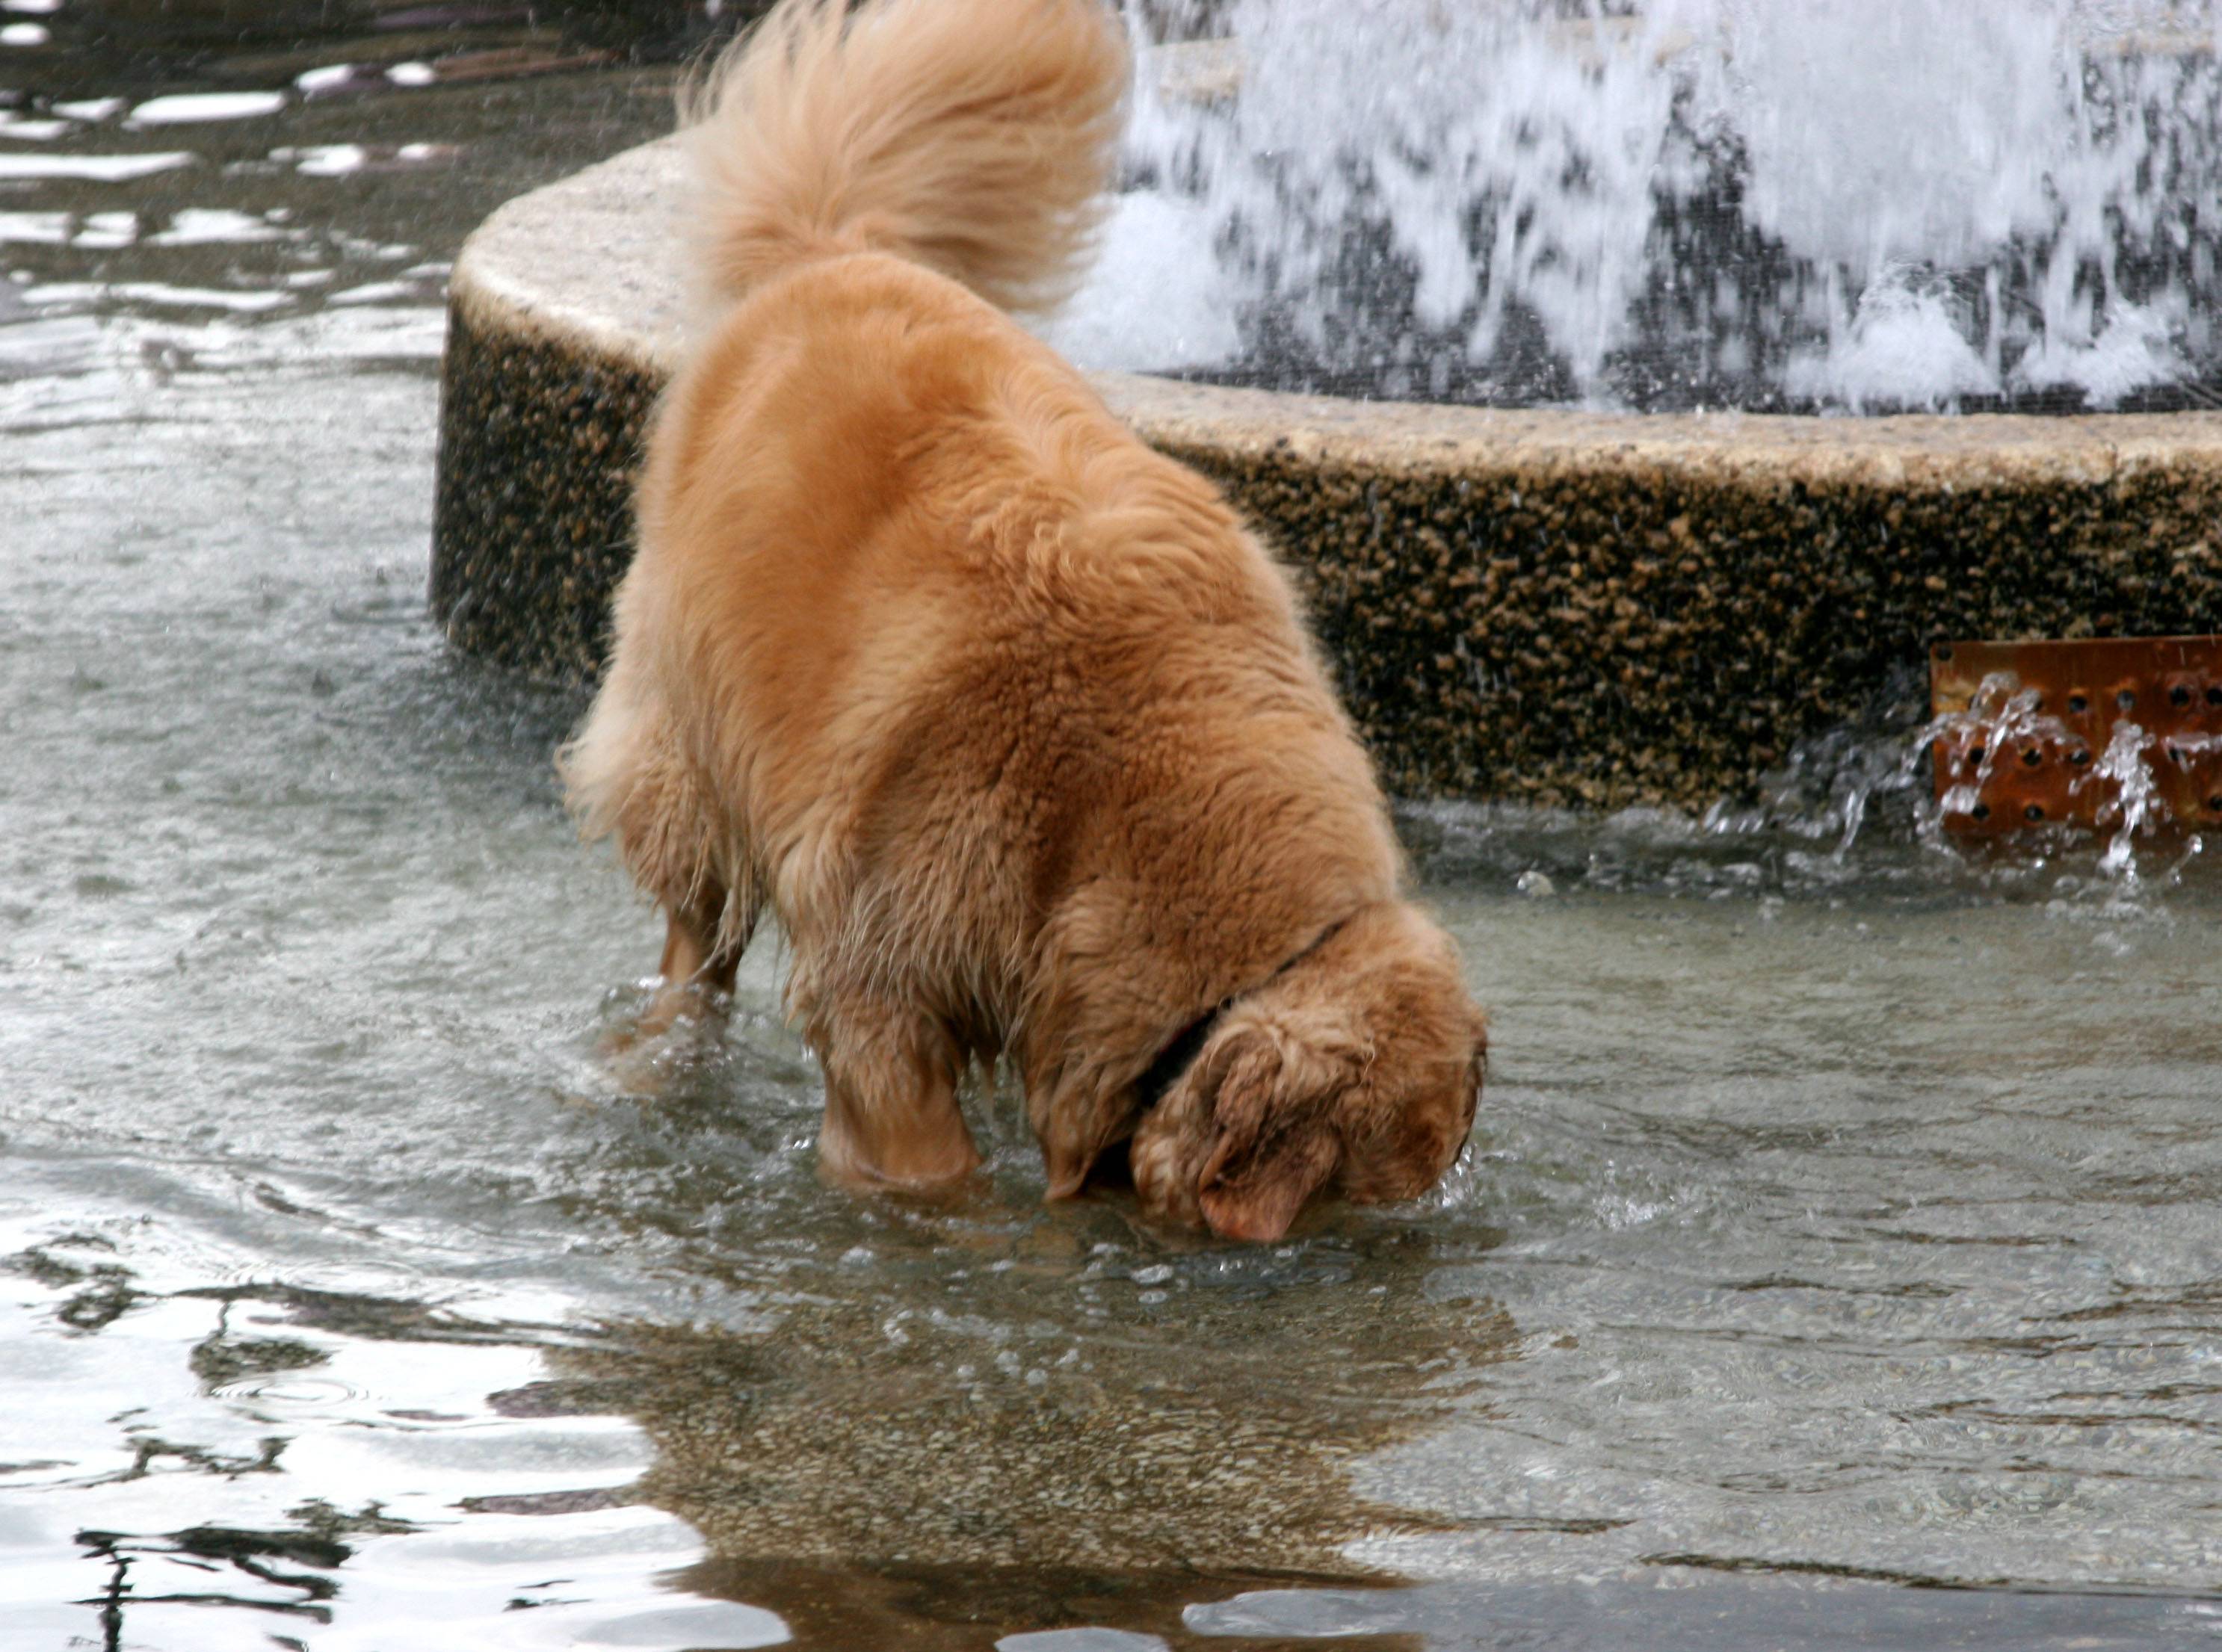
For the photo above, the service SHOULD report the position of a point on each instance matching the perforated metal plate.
(2029, 734)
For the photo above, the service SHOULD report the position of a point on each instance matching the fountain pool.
(1844, 1215)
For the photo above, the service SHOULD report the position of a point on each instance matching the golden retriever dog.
(1011, 721)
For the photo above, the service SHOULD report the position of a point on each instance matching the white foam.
(156, 294)
(102, 169)
(1893, 129)
(24, 34)
(25, 129)
(322, 79)
(379, 293)
(378, 333)
(180, 108)
(206, 226)
(1156, 298)
(2133, 352)
(1904, 347)
(1372, 111)
(325, 160)
(48, 293)
(105, 232)
(34, 228)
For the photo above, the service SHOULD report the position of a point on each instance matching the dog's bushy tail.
(975, 137)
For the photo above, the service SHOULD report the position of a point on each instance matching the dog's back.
(970, 137)
(871, 499)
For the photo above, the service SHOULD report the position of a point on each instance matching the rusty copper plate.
(2029, 734)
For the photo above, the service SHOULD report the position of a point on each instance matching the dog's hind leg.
(691, 955)
(891, 1113)
(704, 934)
(627, 775)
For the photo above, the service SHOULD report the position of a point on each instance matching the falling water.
(2124, 765)
(2004, 716)
(1705, 202)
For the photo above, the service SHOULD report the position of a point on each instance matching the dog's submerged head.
(1356, 1072)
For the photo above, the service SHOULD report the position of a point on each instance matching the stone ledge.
(1554, 607)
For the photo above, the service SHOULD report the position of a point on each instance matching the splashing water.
(2125, 765)
(2002, 717)
(1712, 202)
(2002, 714)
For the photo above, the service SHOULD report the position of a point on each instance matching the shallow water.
(1840, 1219)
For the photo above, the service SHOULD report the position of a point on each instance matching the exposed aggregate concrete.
(532, 523)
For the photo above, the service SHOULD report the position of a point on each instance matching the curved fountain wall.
(1585, 607)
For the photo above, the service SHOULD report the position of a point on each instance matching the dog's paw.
(643, 1053)
(930, 1163)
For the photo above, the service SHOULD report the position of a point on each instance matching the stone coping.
(1560, 607)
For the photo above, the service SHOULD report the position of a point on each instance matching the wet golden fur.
(1011, 720)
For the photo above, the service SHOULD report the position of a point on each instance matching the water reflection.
(251, 159)
(854, 1466)
(98, 48)
(1049, 1403)
(305, 1462)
